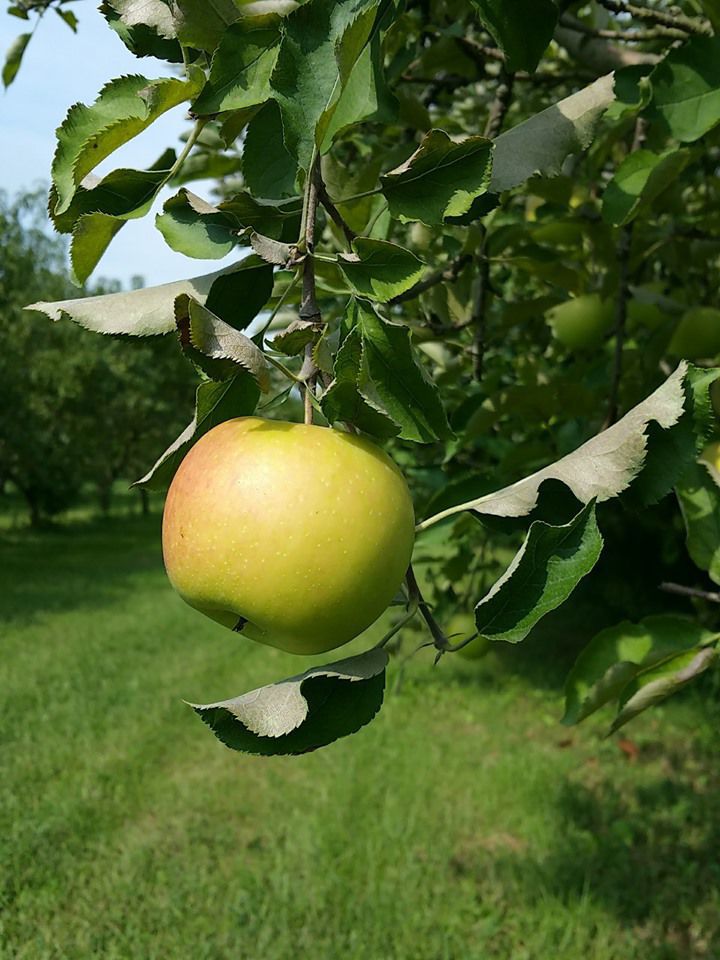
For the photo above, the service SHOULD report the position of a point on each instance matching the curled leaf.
(601, 468)
(304, 712)
(208, 338)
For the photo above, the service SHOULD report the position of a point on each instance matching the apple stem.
(440, 641)
(309, 310)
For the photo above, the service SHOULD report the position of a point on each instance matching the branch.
(500, 104)
(477, 319)
(624, 36)
(444, 275)
(623, 293)
(677, 588)
(599, 56)
(675, 20)
(440, 641)
(332, 210)
(309, 310)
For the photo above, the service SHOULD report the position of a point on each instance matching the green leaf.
(241, 67)
(686, 89)
(146, 27)
(68, 17)
(654, 685)
(521, 28)
(440, 180)
(203, 23)
(640, 178)
(392, 374)
(615, 656)
(101, 207)
(196, 228)
(543, 574)
(268, 169)
(13, 58)
(711, 9)
(380, 270)
(298, 335)
(272, 251)
(357, 96)
(699, 497)
(91, 238)
(304, 712)
(199, 229)
(356, 101)
(145, 312)
(343, 400)
(124, 109)
(215, 346)
(124, 193)
(540, 145)
(601, 468)
(308, 71)
(215, 402)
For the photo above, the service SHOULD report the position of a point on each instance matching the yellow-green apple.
(711, 456)
(697, 336)
(581, 323)
(296, 536)
(458, 629)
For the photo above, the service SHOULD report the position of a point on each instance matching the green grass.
(463, 823)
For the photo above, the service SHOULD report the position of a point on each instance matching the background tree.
(76, 410)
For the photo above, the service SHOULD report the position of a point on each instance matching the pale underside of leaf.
(600, 469)
(541, 144)
(143, 312)
(280, 708)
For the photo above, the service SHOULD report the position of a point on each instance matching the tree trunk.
(144, 501)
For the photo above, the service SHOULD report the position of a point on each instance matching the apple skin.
(697, 336)
(711, 455)
(581, 323)
(304, 531)
(462, 626)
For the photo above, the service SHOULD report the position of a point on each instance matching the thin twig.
(440, 641)
(501, 103)
(333, 211)
(676, 20)
(680, 590)
(478, 52)
(477, 319)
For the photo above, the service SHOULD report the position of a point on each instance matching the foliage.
(422, 185)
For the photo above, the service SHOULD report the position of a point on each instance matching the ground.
(463, 823)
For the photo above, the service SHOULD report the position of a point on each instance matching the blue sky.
(59, 69)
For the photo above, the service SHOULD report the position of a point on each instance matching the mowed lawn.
(463, 823)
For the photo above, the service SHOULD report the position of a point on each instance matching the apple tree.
(483, 235)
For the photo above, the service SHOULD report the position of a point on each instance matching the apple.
(711, 455)
(293, 535)
(581, 323)
(459, 628)
(697, 336)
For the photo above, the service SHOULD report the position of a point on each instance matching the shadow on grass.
(80, 565)
(647, 853)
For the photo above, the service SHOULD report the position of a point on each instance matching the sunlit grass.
(464, 822)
